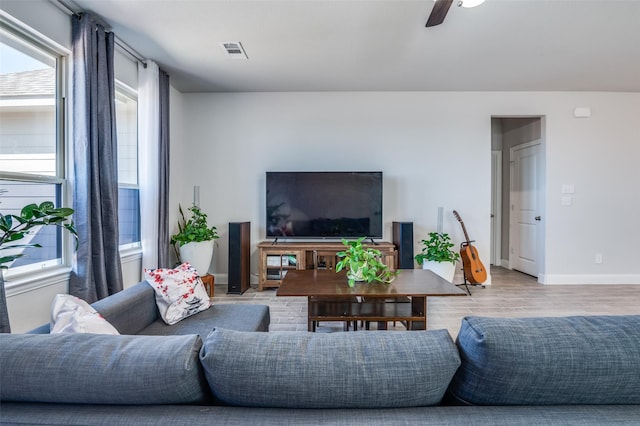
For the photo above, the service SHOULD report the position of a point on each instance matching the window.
(31, 163)
(128, 191)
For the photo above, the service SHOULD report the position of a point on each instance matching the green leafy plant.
(193, 230)
(14, 227)
(437, 249)
(363, 263)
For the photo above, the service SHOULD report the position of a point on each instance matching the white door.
(526, 208)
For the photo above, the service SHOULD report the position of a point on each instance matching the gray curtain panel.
(163, 174)
(5, 327)
(97, 272)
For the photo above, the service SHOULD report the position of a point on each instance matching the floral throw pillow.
(70, 314)
(180, 292)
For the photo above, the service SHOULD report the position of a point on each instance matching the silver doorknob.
(537, 218)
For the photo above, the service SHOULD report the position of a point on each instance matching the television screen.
(324, 204)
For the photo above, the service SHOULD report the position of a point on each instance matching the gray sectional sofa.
(134, 311)
(526, 371)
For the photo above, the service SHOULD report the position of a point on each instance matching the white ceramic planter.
(445, 269)
(356, 276)
(198, 255)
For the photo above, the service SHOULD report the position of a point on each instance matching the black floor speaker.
(239, 257)
(403, 240)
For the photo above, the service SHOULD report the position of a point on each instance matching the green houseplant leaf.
(364, 263)
(192, 230)
(15, 227)
(437, 248)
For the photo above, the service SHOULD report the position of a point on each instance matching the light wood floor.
(511, 294)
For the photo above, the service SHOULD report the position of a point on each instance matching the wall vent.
(234, 49)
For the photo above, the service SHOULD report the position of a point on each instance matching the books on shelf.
(276, 274)
(273, 261)
(284, 260)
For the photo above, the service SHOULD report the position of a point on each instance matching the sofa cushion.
(101, 369)
(70, 314)
(537, 361)
(231, 316)
(180, 292)
(329, 370)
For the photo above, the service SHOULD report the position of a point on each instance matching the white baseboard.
(563, 279)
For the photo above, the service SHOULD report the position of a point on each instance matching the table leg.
(419, 308)
(311, 325)
(208, 281)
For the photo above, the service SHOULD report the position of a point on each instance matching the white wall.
(179, 190)
(434, 150)
(600, 156)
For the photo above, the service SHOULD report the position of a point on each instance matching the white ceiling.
(383, 45)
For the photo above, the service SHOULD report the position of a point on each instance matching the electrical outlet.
(598, 257)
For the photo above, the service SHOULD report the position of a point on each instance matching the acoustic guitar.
(474, 270)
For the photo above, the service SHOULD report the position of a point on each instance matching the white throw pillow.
(180, 292)
(70, 314)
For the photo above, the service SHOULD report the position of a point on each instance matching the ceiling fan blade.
(439, 12)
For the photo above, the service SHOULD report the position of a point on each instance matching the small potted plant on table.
(364, 264)
(438, 256)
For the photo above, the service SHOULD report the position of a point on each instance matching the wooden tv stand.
(275, 259)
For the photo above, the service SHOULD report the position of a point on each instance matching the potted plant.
(438, 256)
(14, 228)
(363, 263)
(195, 239)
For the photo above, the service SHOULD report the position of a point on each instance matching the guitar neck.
(464, 229)
(466, 236)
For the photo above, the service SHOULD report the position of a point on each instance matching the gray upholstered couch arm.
(134, 311)
(130, 310)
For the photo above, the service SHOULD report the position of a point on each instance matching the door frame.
(496, 208)
(507, 184)
(540, 246)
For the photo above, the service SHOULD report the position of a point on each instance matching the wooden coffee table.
(331, 299)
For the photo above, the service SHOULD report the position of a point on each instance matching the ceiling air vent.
(234, 49)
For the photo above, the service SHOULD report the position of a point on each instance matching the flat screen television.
(324, 204)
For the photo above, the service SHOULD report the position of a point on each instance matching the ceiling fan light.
(471, 3)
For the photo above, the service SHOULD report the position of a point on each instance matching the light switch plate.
(582, 112)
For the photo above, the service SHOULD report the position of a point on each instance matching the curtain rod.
(70, 8)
